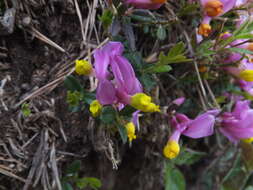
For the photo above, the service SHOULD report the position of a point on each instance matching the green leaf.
(240, 50)
(188, 157)
(148, 81)
(174, 179)
(94, 183)
(73, 98)
(188, 9)
(72, 84)
(26, 111)
(122, 132)
(244, 36)
(127, 111)
(108, 115)
(81, 183)
(175, 55)
(106, 18)
(159, 68)
(66, 186)
(242, 28)
(141, 18)
(161, 33)
(74, 168)
(88, 97)
(176, 50)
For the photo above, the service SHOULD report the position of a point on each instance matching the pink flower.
(146, 4)
(237, 125)
(115, 74)
(201, 126)
(213, 8)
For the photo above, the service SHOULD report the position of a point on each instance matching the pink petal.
(106, 93)
(228, 5)
(179, 101)
(200, 127)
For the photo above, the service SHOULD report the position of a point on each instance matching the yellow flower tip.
(213, 8)
(83, 67)
(246, 75)
(153, 108)
(142, 102)
(95, 108)
(204, 30)
(130, 127)
(171, 150)
(248, 140)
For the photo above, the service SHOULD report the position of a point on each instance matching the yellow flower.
(204, 30)
(130, 131)
(171, 150)
(83, 67)
(248, 140)
(141, 101)
(95, 108)
(246, 75)
(213, 8)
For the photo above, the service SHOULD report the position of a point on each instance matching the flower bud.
(204, 30)
(213, 8)
(130, 127)
(95, 108)
(171, 150)
(83, 67)
(142, 102)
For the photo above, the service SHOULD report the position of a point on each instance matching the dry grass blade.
(54, 167)
(80, 19)
(8, 173)
(45, 39)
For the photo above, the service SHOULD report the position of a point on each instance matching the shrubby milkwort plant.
(219, 49)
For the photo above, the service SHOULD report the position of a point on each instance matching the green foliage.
(94, 183)
(127, 111)
(175, 55)
(66, 186)
(148, 81)
(188, 157)
(73, 168)
(174, 179)
(205, 50)
(106, 18)
(243, 32)
(26, 111)
(108, 115)
(188, 9)
(73, 98)
(122, 132)
(72, 178)
(76, 94)
(240, 50)
(72, 84)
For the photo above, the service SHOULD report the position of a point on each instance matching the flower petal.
(200, 127)
(106, 93)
